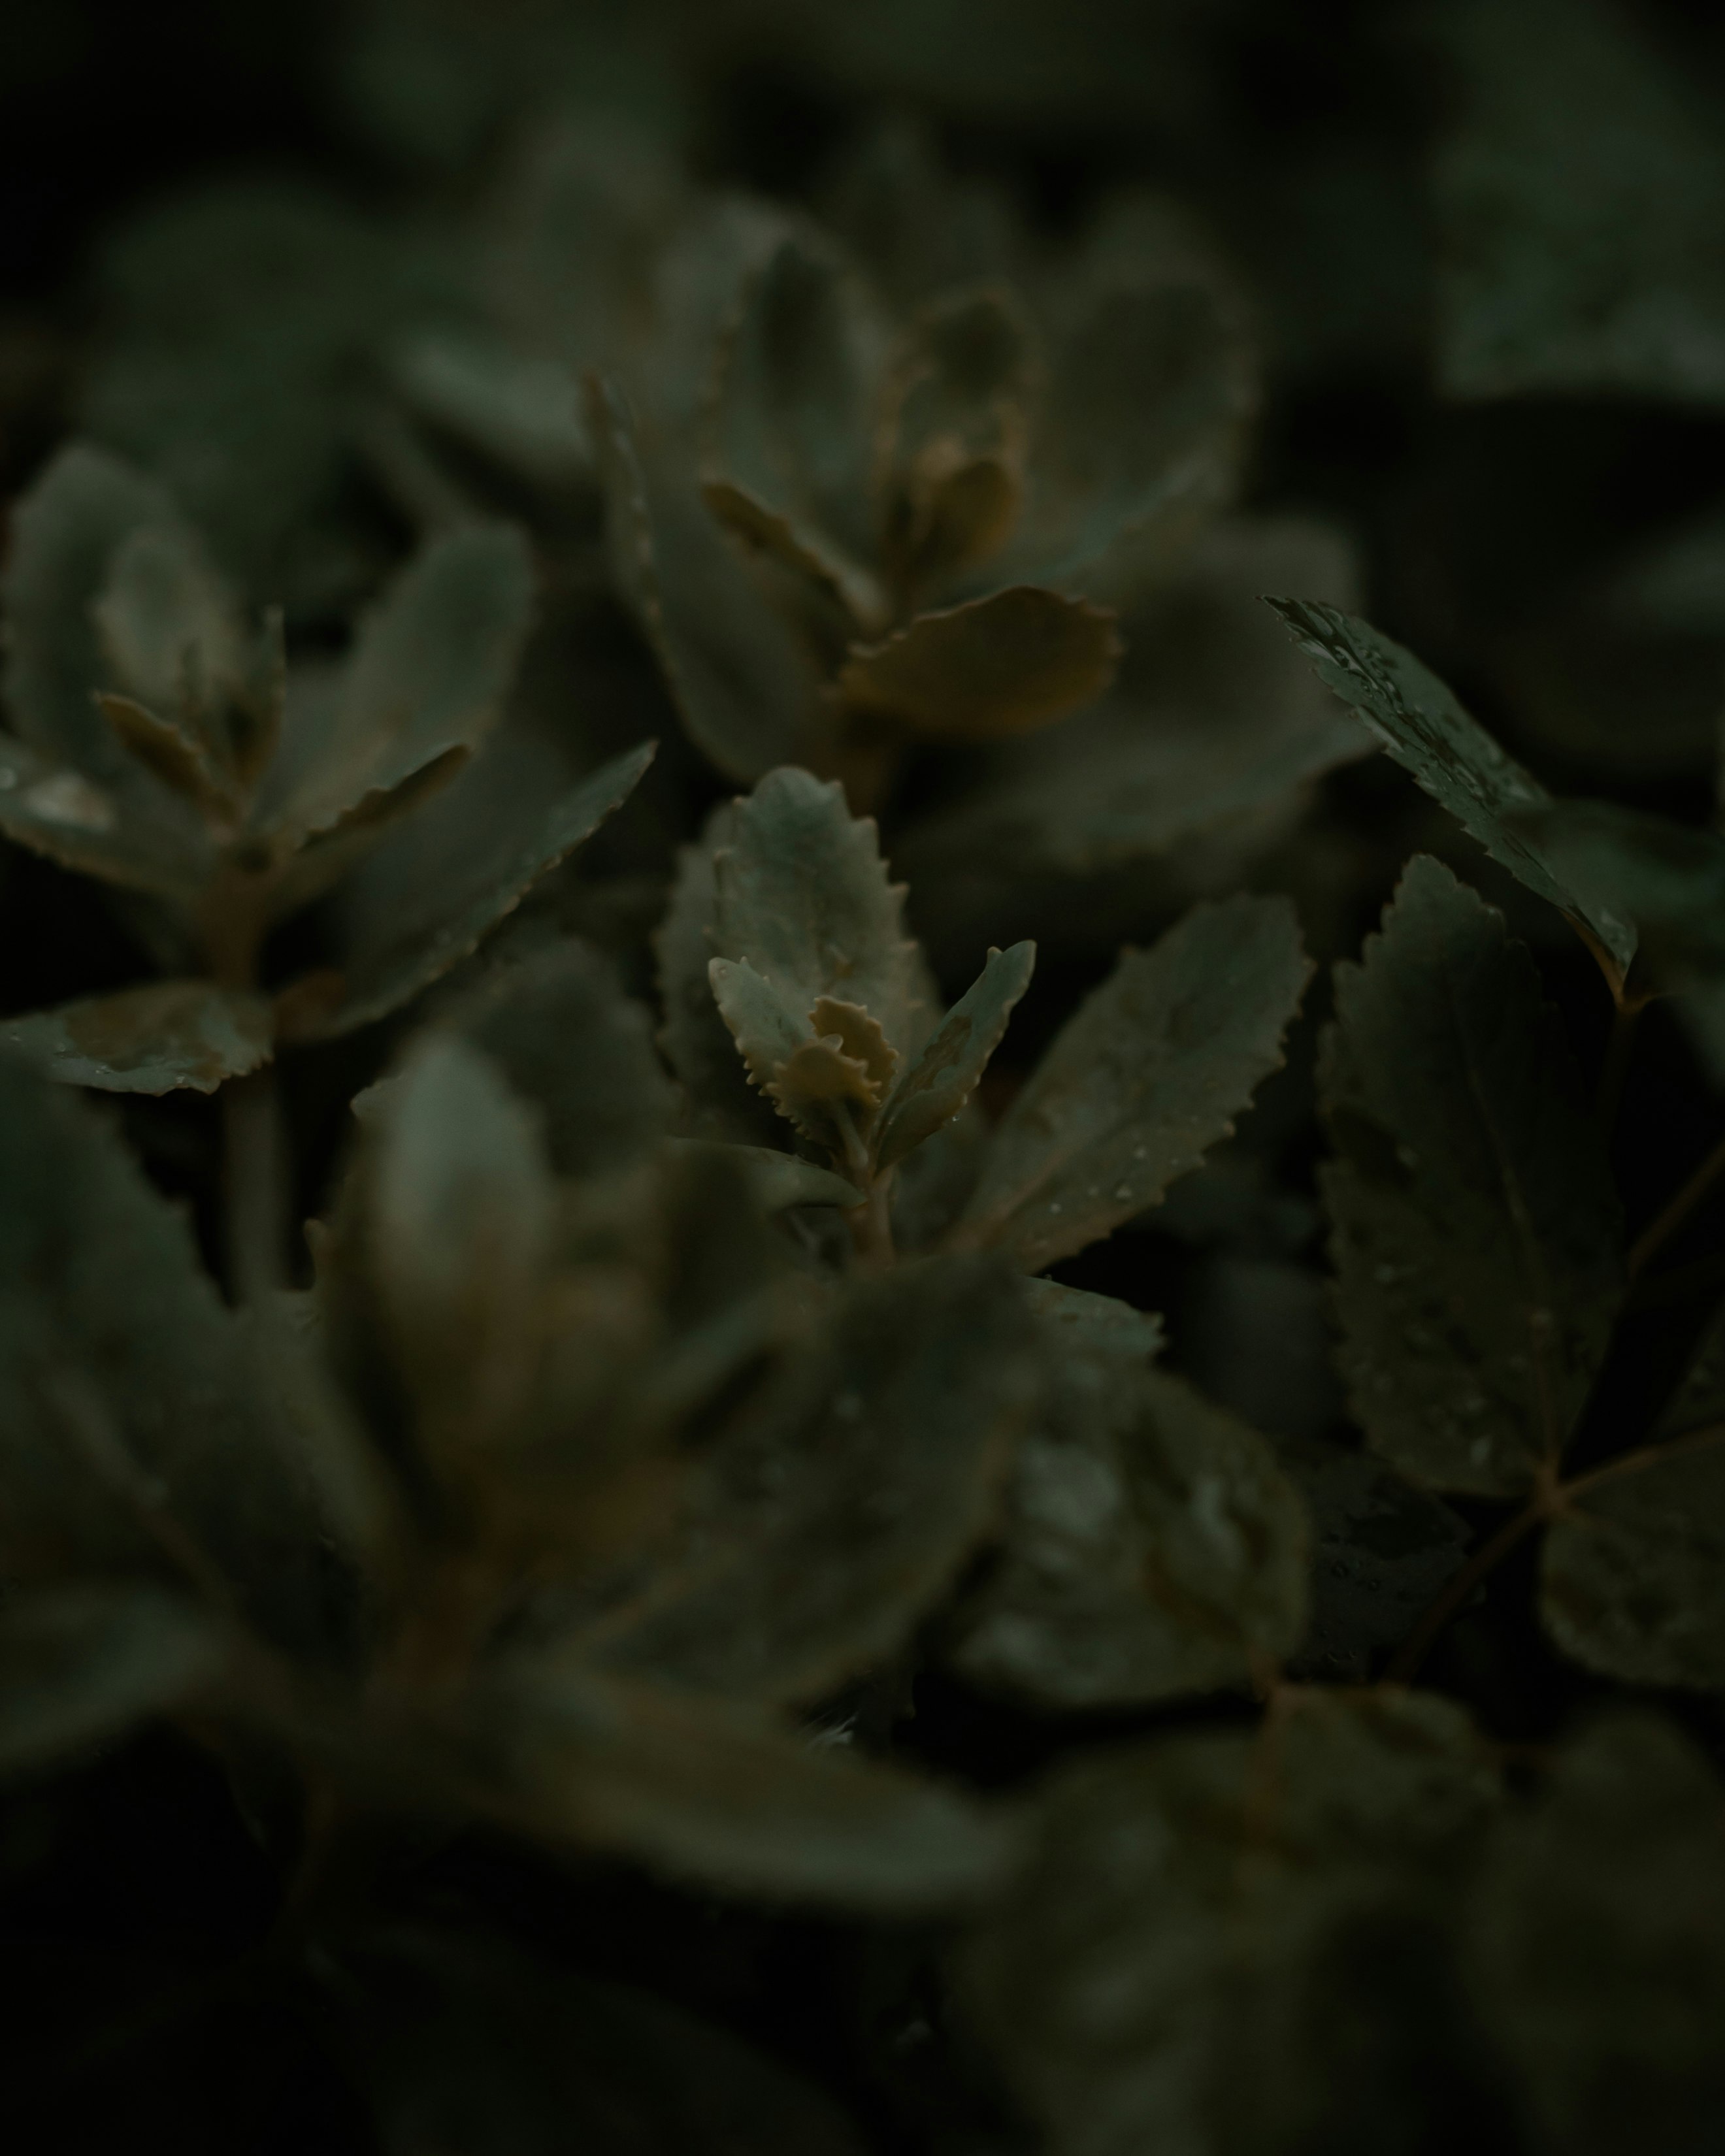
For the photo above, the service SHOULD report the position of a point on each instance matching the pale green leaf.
(1451, 755)
(942, 1079)
(1006, 663)
(153, 1039)
(1148, 1075)
(1474, 1227)
(82, 1665)
(169, 631)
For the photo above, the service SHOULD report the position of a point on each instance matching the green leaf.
(1632, 1575)
(1148, 1075)
(1153, 1548)
(1475, 1228)
(709, 1791)
(459, 1229)
(1018, 660)
(427, 678)
(1577, 188)
(831, 1521)
(153, 1039)
(792, 430)
(1596, 1944)
(745, 683)
(801, 894)
(55, 810)
(169, 631)
(80, 1665)
(574, 1046)
(778, 1180)
(1151, 388)
(1451, 755)
(134, 1436)
(473, 2047)
(1220, 1945)
(942, 1080)
(518, 408)
(431, 893)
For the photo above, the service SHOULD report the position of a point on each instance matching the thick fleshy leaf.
(575, 1047)
(55, 810)
(1595, 1942)
(472, 2047)
(745, 684)
(833, 1520)
(1451, 755)
(780, 1180)
(1151, 391)
(1148, 1074)
(1017, 659)
(427, 678)
(942, 1080)
(1153, 1548)
(153, 1039)
(1474, 1227)
(1184, 1965)
(517, 407)
(716, 1792)
(134, 1436)
(1577, 189)
(426, 899)
(800, 891)
(169, 632)
(792, 430)
(765, 1021)
(79, 1665)
(1633, 1571)
(460, 1227)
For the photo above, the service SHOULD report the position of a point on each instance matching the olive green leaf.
(745, 681)
(169, 632)
(1182, 1963)
(460, 1225)
(777, 1180)
(718, 1792)
(150, 1040)
(54, 810)
(577, 1048)
(1015, 660)
(829, 1522)
(518, 408)
(941, 1082)
(1577, 189)
(795, 409)
(1153, 1548)
(472, 2045)
(1595, 1938)
(1453, 758)
(134, 1438)
(431, 893)
(81, 1665)
(1474, 1227)
(1147, 1074)
(424, 683)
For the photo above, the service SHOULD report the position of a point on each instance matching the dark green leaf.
(780, 1180)
(1018, 660)
(1148, 1074)
(1451, 755)
(746, 682)
(430, 894)
(831, 1521)
(1218, 1944)
(1475, 1225)
(942, 1079)
(149, 1041)
(169, 631)
(1597, 1945)
(82, 1665)
(55, 810)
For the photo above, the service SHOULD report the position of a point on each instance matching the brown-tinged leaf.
(81, 1666)
(1474, 1227)
(153, 1039)
(939, 1083)
(1219, 1943)
(745, 683)
(170, 634)
(1017, 659)
(1148, 1074)
(1595, 1944)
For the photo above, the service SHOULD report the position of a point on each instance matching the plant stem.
(255, 1185)
(1406, 1663)
(1665, 1223)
